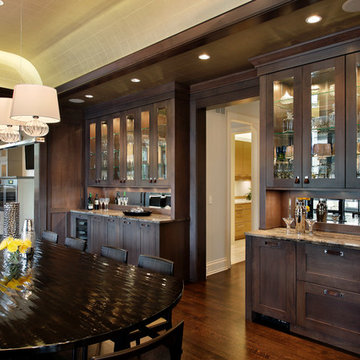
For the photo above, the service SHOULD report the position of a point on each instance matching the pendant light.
(9, 129)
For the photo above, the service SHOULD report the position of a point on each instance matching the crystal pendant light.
(36, 127)
(9, 133)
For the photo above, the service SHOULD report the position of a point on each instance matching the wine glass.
(101, 201)
(288, 221)
(310, 223)
(106, 203)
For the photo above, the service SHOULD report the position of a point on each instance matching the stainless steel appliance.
(18, 189)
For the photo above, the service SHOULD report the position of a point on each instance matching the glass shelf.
(323, 129)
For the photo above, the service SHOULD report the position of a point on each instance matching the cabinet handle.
(333, 293)
(306, 180)
(297, 180)
(145, 225)
(334, 252)
(272, 243)
(150, 180)
(155, 180)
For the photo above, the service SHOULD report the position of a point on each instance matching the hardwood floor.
(215, 326)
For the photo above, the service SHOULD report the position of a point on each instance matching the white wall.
(217, 229)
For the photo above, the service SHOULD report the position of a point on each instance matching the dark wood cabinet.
(98, 234)
(114, 232)
(131, 240)
(273, 278)
(149, 238)
(328, 295)
(130, 148)
(315, 288)
(305, 123)
(353, 120)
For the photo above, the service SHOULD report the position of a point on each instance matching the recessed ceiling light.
(135, 80)
(204, 57)
(1, 3)
(76, 101)
(89, 96)
(313, 19)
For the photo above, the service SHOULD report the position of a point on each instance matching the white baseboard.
(215, 266)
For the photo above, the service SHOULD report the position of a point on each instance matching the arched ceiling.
(69, 38)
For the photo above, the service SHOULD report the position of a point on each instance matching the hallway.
(215, 327)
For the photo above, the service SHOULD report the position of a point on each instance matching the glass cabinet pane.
(162, 127)
(145, 145)
(323, 124)
(283, 124)
(92, 158)
(130, 137)
(116, 148)
(104, 150)
(358, 121)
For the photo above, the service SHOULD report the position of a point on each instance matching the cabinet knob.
(306, 180)
(150, 180)
(297, 180)
(155, 180)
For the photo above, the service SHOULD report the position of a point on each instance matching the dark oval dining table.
(67, 298)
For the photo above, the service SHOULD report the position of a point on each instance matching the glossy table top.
(65, 297)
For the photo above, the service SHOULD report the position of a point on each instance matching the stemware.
(101, 201)
(288, 221)
(106, 203)
(311, 223)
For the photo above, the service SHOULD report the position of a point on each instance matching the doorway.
(222, 123)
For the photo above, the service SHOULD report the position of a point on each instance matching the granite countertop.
(319, 237)
(156, 218)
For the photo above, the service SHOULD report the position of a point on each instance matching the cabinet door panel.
(273, 286)
(329, 265)
(353, 121)
(114, 233)
(329, 314)
(149, 239)
(131, 236)
(324, 123)
(98, 234)
(92, 151)
(284, 127)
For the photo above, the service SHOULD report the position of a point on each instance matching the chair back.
(156, 264)
(165, 347)
(115, 253)
(75, 243)
(50, 236)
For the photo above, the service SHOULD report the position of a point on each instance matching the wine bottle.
(90, 205)
(96, 202)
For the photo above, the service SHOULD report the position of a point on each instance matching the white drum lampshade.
(35, 102)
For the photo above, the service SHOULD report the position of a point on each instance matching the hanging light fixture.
(35, 105)
(9, 129)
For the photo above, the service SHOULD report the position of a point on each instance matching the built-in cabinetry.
(313, 287)
(166, 239)
(242, 160)
(130, 148)
(242, 219)
(306, 125)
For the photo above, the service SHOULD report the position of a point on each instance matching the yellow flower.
(4, 244)
(307, 208)
(12, 247)
(24, 246)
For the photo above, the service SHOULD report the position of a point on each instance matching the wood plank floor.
(215, 326)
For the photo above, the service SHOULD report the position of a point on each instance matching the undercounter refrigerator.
(19, 189)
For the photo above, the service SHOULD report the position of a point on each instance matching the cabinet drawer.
(328, 265)
(329, 314)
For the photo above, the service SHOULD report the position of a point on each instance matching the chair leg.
(84, 352)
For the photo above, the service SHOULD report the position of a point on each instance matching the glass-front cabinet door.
(161, 174)
(130, 147)
(324, 124)
(98, 152)
(146, 141)
(353, 121)
(284, 129)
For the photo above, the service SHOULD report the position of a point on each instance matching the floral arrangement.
(14, 245)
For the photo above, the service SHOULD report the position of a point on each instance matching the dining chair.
(75, 243)
(50, 236)
(156, 264)
(167, 346)
(115, 253)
